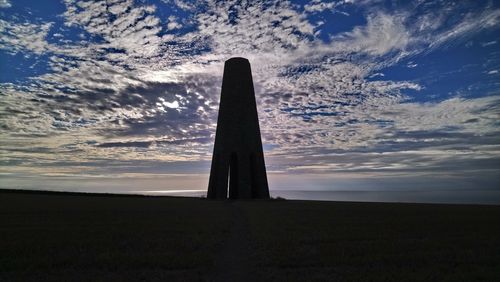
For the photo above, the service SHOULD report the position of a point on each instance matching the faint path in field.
(234, 262)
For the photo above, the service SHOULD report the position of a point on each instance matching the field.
(74, 237)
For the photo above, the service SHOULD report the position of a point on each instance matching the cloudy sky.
(122, 95)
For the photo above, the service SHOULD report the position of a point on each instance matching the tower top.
(238, 60)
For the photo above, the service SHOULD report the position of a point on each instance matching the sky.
(352, 95)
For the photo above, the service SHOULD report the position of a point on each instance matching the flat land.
(70, 237)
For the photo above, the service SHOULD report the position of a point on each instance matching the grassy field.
(64, 237)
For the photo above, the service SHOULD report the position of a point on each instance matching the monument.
(238, 157)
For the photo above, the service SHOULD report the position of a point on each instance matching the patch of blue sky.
(186, 25)
(28, 10)
(468, 69)
(233, 15)
(62, 34)
(269, 147)
(334, 22)
(164, 11)
(20, 67)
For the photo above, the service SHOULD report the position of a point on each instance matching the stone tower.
(238, 157)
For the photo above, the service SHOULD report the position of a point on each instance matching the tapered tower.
(238, 158)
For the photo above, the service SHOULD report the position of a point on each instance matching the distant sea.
(486, 197)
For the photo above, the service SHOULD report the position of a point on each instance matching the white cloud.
(318, 6)
(382, 34)
(135, 31)
(471, 23)
(17, 37)
(5, 4)
(172, 23)
(477, 116)
(489, 43)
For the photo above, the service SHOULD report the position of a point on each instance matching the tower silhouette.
(238, 154)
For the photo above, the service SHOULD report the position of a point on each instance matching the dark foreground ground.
(58, 237)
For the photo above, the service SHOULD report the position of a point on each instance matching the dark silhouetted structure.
(238, 151)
